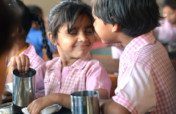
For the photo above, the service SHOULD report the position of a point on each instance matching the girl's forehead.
(81, 21)
(168, 8)
(84, 20)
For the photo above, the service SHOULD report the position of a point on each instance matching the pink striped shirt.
(147, 79)
(84, 74)
(35, 62)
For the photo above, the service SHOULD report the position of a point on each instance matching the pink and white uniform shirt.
(84, 74)
(35, 63)
(147, 79)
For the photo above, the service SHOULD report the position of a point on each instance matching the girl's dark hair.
(6, 26)
(135, 17)
(170, 3)
(35, 9)
(25, 19)
(67, 12)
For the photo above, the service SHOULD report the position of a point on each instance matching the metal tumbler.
(23, 88)
(85, 102)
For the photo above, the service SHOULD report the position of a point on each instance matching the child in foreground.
(71, 31)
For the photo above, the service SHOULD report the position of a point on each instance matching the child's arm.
(98, 79)
(112, 107)
(103, 93)
(39, 104)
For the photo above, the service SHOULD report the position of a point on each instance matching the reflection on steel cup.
(23, 88)
(85, 102)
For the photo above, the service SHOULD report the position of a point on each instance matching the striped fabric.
(35, 62)
(84, 74)
(147, 79)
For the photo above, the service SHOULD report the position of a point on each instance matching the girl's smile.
(78, 42)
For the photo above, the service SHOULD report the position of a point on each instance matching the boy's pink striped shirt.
(147, 79)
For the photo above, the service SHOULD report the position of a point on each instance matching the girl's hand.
(20, 62)
(39, 104)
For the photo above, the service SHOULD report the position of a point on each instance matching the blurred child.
(6, 41)
(71, 31)
(146, 80)
(166, 32)
(35, 34)
(20, 47)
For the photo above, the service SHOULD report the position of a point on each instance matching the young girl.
(71, 31)
(35, 34)
(147, 79)
(166, 32)
(20, 47)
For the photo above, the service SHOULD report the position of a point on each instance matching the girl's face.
(169, 14)
(79, 41)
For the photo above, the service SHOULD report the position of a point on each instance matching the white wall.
(46, 5)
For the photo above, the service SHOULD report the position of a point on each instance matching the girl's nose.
(82, 37)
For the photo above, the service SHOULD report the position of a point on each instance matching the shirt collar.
(81, 63)
(78, 64)
(139, 42)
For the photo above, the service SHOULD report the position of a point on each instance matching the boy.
(146, 81)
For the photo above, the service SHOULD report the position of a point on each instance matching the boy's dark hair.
(135, 17)
(66, 12)
(170, 3)
(25, 19)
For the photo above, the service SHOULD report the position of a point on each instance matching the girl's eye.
(89, 31)
(73, 32)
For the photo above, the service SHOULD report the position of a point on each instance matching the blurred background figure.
(6, 41)
(20, 31)
(35, 36)
(166, 32)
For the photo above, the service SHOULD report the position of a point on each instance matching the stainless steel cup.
(85, 102)
(23, 88)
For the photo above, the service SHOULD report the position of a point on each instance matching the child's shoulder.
(94, 62)
(52, 62)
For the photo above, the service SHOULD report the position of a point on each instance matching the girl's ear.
(50, 36)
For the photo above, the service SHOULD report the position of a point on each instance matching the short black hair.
(135, 17)
(34, 9)
(67, 12)
(170, 3)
